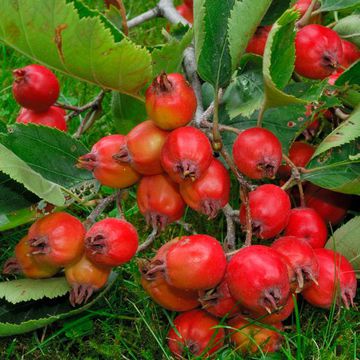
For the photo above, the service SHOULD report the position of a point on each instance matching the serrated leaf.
(75, 40)
(17, 291)
(169, 57)
(334, 5)
(351, 76)
(26, 317)
(276, 9)
(49, 152)
(348, 131)
(345, 240)
(19, 171)
(348, 28)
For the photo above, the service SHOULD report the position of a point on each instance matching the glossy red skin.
(351, 53)
(105, 168)
(197, 332)
(258, 42)
(172, 107)
(63, 233)
(319, 51)
(195, 262)
(52, 117)
(330, 205)
(255, 271)
(120, 242)
(167, 296)
(186, 12)
(211, 192)
(189, 3)
(270, 208)
(335, 273)
(300, 154)
(35, 87)
(301, 257)
(143, 148)
(159, 200)
(186, 148)
(307, 224)
(245, 332)
(257, 153)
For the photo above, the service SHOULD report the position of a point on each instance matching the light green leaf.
(334, 5)
(17, 291)
(348, 28)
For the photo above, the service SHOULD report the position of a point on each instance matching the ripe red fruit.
(195, 262)
(257, 153)
(351, 53)
(25, 263)
(307, 224)
(170, 101)
(210, 193)
(52, 117)
(35, 87)
(186, 154)
(319, 51)
(85, 277)
(56, 239)
(143, 147)
(165, 295)
(159, 200)
(337, 281)
(330, 205)
(270, 208)
(189, 3)
(258, 278)
(186, 12)
(111, 242)
(258, 42)
(198, 332)
(334, 76)
(301, 257)
(105, 168)
(250, 338)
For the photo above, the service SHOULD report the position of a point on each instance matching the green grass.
(126, 324)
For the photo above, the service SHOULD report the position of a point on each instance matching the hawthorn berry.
(351, 53)
(257, 43)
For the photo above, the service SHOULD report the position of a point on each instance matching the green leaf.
(29, 316)
(21, 172)
(169, 57)
(75, 40)
(49, 152)
(276, 9)
(17, 291)
(351, 76)
(279, 59)
(345, 240)
(334, 5)
(348, 28)
(337, 169)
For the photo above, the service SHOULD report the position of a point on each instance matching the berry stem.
(150, 239)
(305, 20)
(124, 23)
(230, 234)
(244, 196)
(217, 140)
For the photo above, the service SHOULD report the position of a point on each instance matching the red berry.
(143, 147)
(351, 53)
(52, 117)
(107, 170)
(330, 205)
(170, 101)
(307, 224)
(198, 332)
(35, 87)
(189, 3)
(334, 76)
(84, 277)
(258, 42)
(319, 51)
(186, 154)
(257, 153)
(56, 239)
(301, 257)
(186, 12)
(210, 193)
(302, 6)
(337, 281)
(159, 200)
(111, 242)
(270, 208)
(250, 338)
(258, 278)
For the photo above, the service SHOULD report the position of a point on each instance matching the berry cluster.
(36, 89)
(60, 241)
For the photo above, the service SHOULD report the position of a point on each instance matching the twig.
(148, 15)
(244, 196)
(100, 208)
(307, 16)
(217, 140)
(222, 128)
(88, 121)
(230, 225)
(168, 11)
(122, 9)
(150, 239)
(119, 194)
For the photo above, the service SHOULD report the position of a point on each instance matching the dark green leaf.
(351, 76)
(334, 5)
(276, 9)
